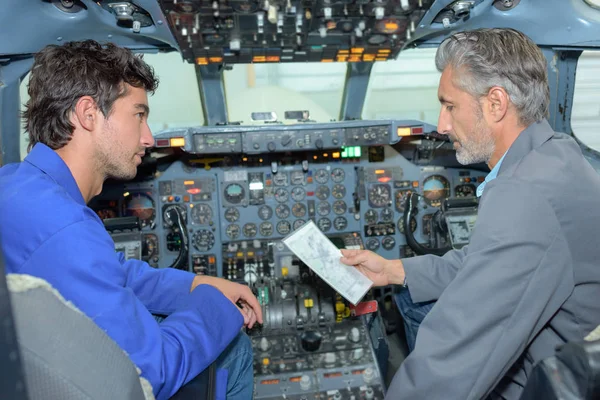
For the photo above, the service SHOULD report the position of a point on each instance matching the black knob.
(319, 143)
(311, 341)
(271, 146)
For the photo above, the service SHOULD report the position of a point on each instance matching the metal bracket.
(212, 94)
(355, 90)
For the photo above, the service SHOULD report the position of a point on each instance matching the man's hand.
(236, 293)
(381, 271)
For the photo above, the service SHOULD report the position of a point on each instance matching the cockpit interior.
(274, 113)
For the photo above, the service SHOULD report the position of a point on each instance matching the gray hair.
(499, 57)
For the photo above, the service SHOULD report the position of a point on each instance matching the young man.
(87, 121)
(529, 280)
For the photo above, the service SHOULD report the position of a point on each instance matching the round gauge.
(387, 215)
(282, 211)
(298, 223)
(297, 178)
(283, 227)
(388, 242)
(265, 212)
(370, 217)
(245, 7)
(321, 176)
(400, 199)
(298, 193)
(324, 224)
(339, 191)
(372, 244)
(299, 210)
(323, 208)
(266, 229)
(281, 195)
(339, 207)
(140, 205)
(436, 188)
(234, 193)
(280, 179)
(466, 190)
(167, 213)
(380, 195)
(204, 240)
(232, 214)
(340, 223)
(322, 192)
(232, 231)
(338, 175)
(413, 225)
(249, 230)
(149, 247)
(201, 214)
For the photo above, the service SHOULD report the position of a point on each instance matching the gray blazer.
(528, 281)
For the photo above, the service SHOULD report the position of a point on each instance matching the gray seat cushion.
(66, 356)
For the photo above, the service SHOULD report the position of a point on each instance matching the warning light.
(177, 142)
(193, 190)
(404, 131)
(188, 183)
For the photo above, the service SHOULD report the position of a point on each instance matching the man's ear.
(86, 113)
(497, 103)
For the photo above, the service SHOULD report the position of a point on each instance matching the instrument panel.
(256, 203)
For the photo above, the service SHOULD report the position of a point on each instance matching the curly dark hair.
(62, 74)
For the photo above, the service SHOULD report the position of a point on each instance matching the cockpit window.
(405, 88)
(313, 87)
(585, 117)
(176, 103)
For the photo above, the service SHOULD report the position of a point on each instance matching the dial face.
(388, 242)
(298, 193)
(298, 223)
(339, 207)
(380, 195)
(232, 231)
(370, 217)
(234, 193)
(324, 224)
(140, 205)
(265, 212)
(280, 179)
(338, 175)
(323, 208)
(232, 214)
(266, 229)
(167, 213)
(340, 223)
(387, 215)
(249, 230)
(372, 244)
(282, 211)
(322, 176)
(322, 192)
(283, 227)
(204, 240)
(436, 189)
(297, 178)
(281, 195)
(299, 210)
(338, 191)
(201, 214)
(466, 190)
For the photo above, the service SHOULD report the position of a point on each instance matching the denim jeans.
(236, 359)
(412, 314)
